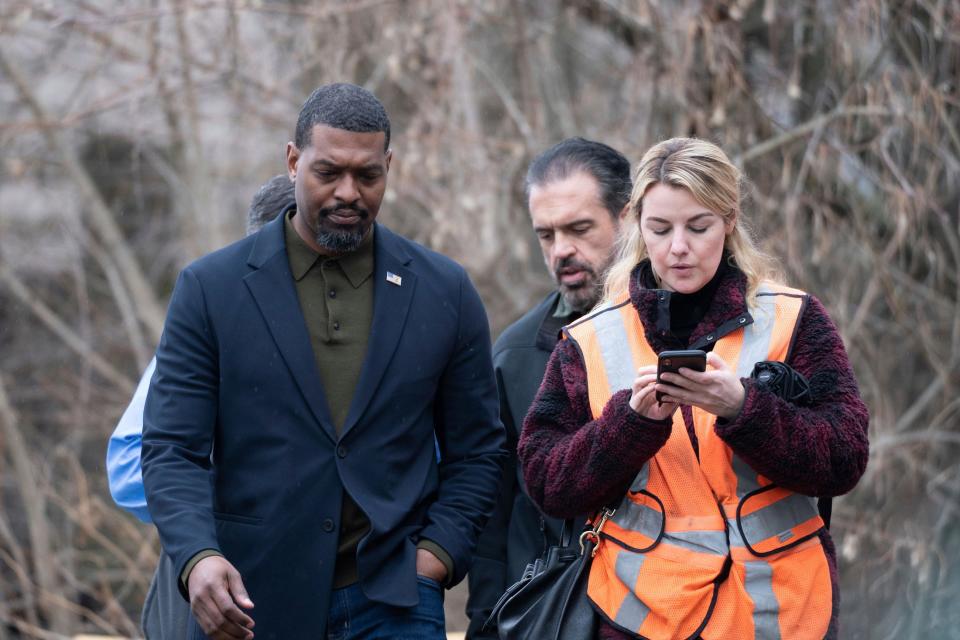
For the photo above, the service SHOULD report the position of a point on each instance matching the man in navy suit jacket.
(303, 378)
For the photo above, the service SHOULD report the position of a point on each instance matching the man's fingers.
(238, 591)
(231, 619)
(202, 614)
(215, 592)
(231, 633)
(211, 619)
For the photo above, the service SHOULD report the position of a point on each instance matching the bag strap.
(566, 532)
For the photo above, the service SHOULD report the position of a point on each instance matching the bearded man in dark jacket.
(577, 192)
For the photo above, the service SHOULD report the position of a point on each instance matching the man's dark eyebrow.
(574, 223)
(705, 214)
(330, 164)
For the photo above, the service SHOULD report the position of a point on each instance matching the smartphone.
(673, 361)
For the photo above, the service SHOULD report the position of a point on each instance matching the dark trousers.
(166, 615)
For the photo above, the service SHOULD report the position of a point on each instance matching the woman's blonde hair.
(704, 170)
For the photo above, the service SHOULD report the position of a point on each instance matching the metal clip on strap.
(594, 533)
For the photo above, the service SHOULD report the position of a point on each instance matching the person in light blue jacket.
(123, 452)
(165, 613)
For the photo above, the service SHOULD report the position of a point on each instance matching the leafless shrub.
(134, 133)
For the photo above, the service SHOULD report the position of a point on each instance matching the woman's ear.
(730, 223)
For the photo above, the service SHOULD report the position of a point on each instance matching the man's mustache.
(344, 208)
(572, 265)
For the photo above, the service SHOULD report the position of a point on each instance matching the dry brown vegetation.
(133, 134)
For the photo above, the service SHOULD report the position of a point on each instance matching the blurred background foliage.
(133, 134)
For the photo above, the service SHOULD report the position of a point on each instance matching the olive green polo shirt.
(336, 298)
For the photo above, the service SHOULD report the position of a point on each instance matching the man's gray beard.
(583, 299)
(340, 241)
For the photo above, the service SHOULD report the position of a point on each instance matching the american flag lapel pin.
(393, 278)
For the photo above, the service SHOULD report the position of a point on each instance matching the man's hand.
(216, 590)
(429, 566)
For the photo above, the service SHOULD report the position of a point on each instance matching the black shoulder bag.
(550, 602)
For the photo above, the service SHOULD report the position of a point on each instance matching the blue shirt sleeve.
(123, 452)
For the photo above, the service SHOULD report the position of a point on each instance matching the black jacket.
(517, 533)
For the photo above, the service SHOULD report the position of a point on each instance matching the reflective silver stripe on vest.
(632, 611)
(646, 521)
(615, 350)
(757, 336)
(638, 517)
(778, 518)
(736, 540)
(640, 482)
(756, 346)
(618, 364)
(746, 476)
(713, 542)
(766, 608)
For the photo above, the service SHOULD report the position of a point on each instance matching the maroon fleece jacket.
(574, 464)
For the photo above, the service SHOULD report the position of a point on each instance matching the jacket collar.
(271, 240)
(727, 312)
(356, 265)
(548, 331)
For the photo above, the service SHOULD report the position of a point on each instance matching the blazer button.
(342, 451)
(328, 525)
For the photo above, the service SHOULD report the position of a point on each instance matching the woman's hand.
(643, 399)
(717, 390)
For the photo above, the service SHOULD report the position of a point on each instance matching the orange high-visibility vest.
(704, 545)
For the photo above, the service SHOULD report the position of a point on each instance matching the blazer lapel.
(393, 287)
(271, 285)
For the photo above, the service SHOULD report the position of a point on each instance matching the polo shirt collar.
(357, 265)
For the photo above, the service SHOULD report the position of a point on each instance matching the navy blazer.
(240, 454)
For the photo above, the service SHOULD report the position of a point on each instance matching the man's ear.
(293, 155)
(388, 158)
(623, 213)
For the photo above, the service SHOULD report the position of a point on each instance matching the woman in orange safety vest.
(712, 527)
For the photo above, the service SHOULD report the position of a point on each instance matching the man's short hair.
(342, 106)
(269, 200)
(608, 167)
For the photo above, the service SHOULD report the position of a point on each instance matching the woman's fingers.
(717, 362)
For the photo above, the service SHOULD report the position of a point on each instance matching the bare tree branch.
(149, 309)
(62, 330)
(34, 504)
